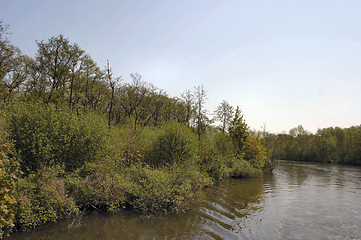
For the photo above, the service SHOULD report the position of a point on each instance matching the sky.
(283, 62)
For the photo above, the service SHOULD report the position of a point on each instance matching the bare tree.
(132, 96)
(188, 100)
(200, 112)
(224, 114)
(112, 83)
(18, 74)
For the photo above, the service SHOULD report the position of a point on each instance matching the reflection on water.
(298, 201)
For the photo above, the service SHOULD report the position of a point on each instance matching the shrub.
(132, 146)
(223, 144)
(239, 168)
(175, 144)
(101, 188)
(255, 153)
(139, 186)
(9, 169)
(210, 163)
(47, 136)
(42, 199)
(166, 189)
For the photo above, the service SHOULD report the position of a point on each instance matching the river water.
(297, 201)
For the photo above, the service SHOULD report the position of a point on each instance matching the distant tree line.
(334, 145)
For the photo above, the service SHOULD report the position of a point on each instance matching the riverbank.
(268, 207)
(58, 164)
(74, 137)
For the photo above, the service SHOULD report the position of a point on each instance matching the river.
(298, 201)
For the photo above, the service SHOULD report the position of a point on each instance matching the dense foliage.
(334, 145)
(75, 137)
(48, 136)
(9, 170)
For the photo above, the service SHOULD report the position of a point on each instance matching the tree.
(224, 113)
(238, 131)
(112, 84)
(3, 29)
(56, 58)
(200, 113)
(299, 130)
(8, 53)
(16, 77)
(188, 100)
(10, 57)
(132, 96)
(153, 103)
(91, 88)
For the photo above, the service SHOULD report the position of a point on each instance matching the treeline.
(74, 137)
(333, 145)
(62, 74)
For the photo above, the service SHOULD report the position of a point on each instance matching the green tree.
(91, 91)
(238, 131)
(55, 60)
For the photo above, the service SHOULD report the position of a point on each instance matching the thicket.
(75, 137)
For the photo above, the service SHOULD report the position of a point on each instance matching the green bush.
(166, 189)
(239, 168)
(9, 171)
(210, 163)
(101, 189)
(223, 144)
(133, 146)
(42, 198)
(46, 136)
(214, 168)
(175, 143)
(255, 153)
(138, 186)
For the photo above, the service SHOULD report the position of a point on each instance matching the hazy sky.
(285, 63)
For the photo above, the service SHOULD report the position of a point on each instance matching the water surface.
(298, 201)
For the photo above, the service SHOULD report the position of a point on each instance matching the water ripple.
(298, 201)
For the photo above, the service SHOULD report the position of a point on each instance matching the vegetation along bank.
(74, 137)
